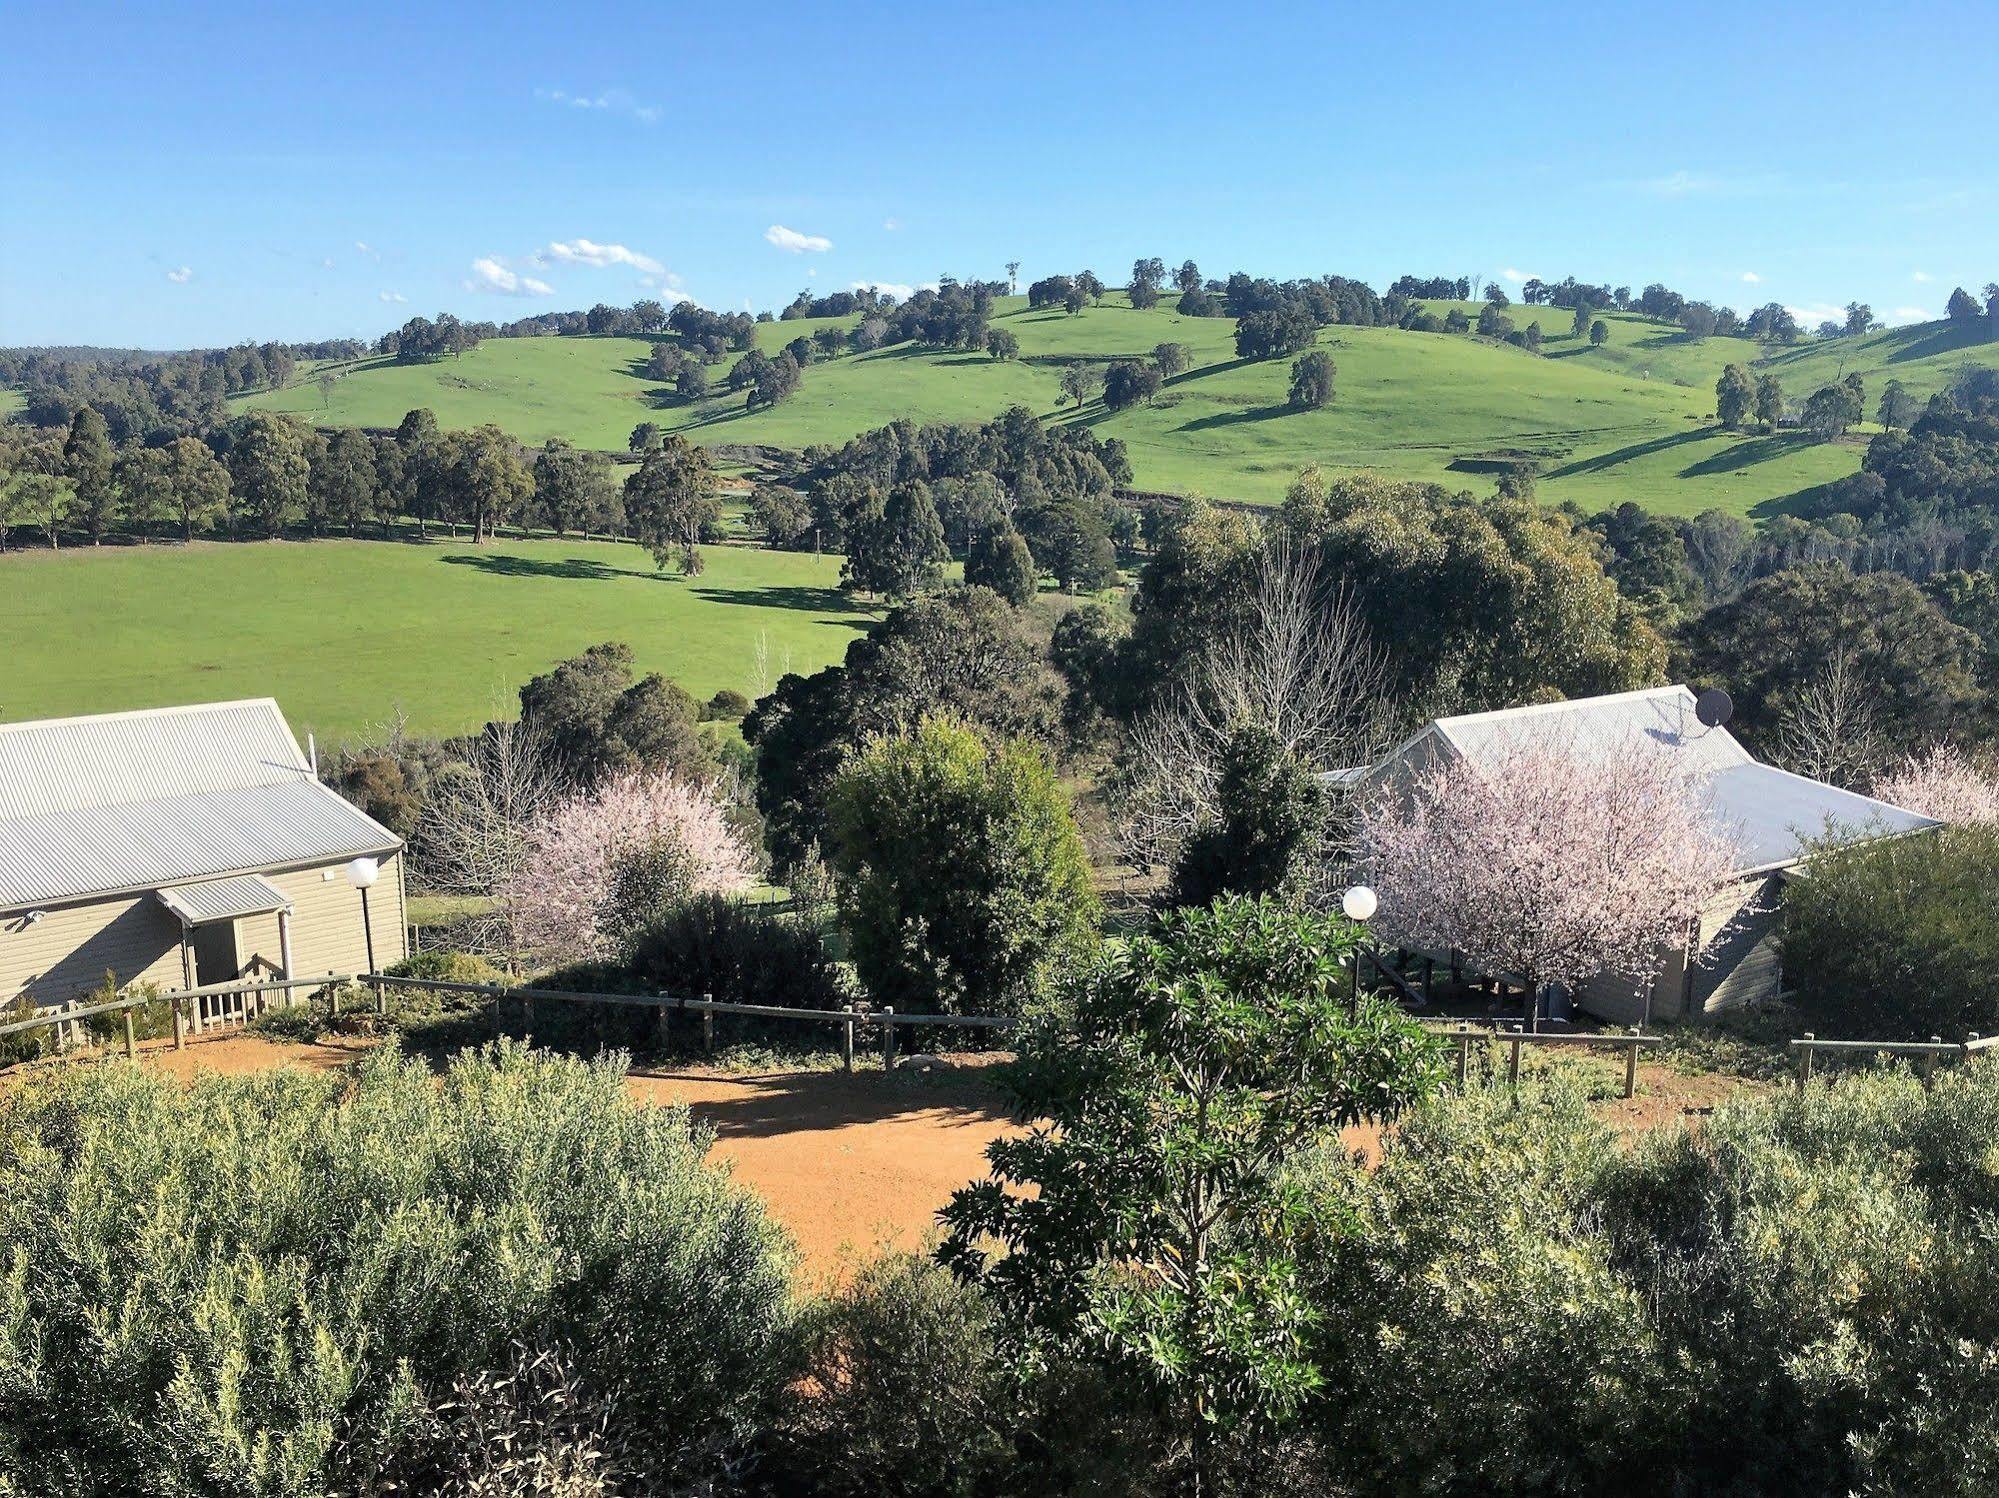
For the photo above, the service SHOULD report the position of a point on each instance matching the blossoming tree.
(1941, 783)
(1546, 864)
(596, 856)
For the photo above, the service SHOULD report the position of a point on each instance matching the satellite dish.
(1714, 707)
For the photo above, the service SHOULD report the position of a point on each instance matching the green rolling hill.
(1630, 420)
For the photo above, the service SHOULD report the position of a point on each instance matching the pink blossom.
(1943, 784)
(1546, 865)
(558, 899)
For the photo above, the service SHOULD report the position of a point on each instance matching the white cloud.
(392, 296)
(598, 256)
(610, 101)
(180, 276)
(1922, 276)
(891, 224)
(794, 243)
(895, 289)
(1518, 276)
(1903, 315)
(1811, 316)
(327, 263)
(1752, 278)
(491, 274)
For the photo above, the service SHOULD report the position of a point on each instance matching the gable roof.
(125, 802)
(1773, 813)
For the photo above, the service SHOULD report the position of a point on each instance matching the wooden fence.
(195, 1010)
(1924, 1053)
(1465, 1036)
(850, 1019)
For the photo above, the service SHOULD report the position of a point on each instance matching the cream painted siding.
(68, 951)
(1740, 940)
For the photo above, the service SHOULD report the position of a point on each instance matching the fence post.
(1928, 1066)
(888, 1037)
(1805, 1061)
(180, 1025)
(707, 1026)
(1631, 1068)
(1513, 1063)
(1464, 1054)
(381, 993)
(131, 1040)
(847, 1039)
(665, 1040)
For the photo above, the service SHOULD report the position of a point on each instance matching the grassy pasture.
(1630, 421)
(344, 632)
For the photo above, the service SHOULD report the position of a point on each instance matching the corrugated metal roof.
(1772, 813)
(223, 899)
(133, 801)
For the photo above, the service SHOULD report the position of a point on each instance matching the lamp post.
(1359, 905)
(362, 873)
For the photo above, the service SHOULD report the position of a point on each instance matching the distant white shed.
(182, 845)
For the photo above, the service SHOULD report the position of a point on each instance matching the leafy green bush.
(447, 967)
(24, 1045)
(300, 1023)
(1895, 939)
(731, 949)
(240, 1284)
(1802, 1297)
(963, 880)
(906, 1396)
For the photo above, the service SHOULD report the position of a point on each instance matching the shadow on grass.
(771, 1104)
(1746, 453)
(825, 599)
(1237, 418)
(1604, 461)
(580, 569)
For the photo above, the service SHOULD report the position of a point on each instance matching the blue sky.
(194, 175)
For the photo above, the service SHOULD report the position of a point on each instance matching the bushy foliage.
(1798, 1298)
(238, 1284)
(907, 1396)
(1895, 939)
(962, 877)
(751, 954)
(1142, 1225)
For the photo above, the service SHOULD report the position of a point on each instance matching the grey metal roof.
(223, 899)
(126, 802)
(1772, 813)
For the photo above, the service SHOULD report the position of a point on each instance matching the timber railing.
(851, 1019)
(1925, 1054)
(1464, 1037)
(195, 1010)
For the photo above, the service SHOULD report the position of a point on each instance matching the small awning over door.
(213, 900)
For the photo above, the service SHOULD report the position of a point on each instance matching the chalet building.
(1732, 955)
(181, 846)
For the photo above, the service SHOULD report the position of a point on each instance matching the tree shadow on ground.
(581, 569)
(1236, 418)
(1603, 461)
(1744, 454)
(780, 1103)
(838, 607)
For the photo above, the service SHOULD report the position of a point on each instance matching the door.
(215, 956)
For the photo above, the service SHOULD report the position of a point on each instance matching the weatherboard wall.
(135, 937)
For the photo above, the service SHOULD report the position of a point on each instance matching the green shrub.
(726, 706)
(748, 954)
(963, 880)
(240, 1283)
(447, 967)
(151, 1020)
(1802, 1297)
(907, 1394)
(1895, 939)
(300, 1024)
(24, 1045)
